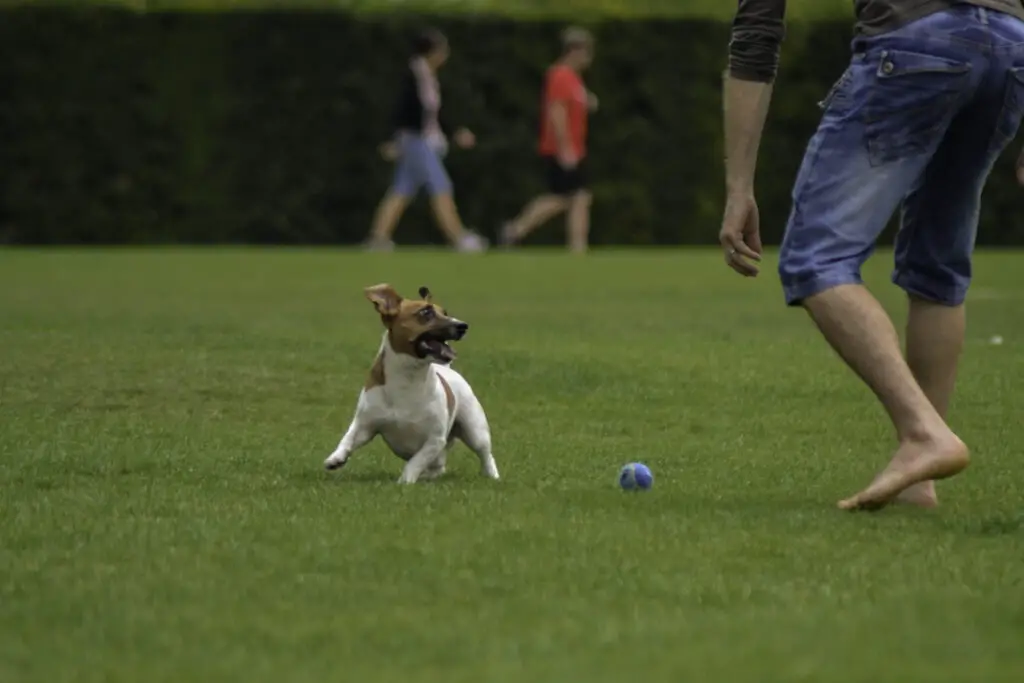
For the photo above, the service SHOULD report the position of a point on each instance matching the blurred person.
(418, 148)
(930, 99)
(563, 146)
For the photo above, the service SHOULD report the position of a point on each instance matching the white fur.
(410, 412)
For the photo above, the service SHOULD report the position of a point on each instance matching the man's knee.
(554, 202)
(439, 187)
(581, 198)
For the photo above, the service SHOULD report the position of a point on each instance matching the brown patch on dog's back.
(449, 396)
(376, 377)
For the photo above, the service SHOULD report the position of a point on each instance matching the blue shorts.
(918, 119)
(419, 165)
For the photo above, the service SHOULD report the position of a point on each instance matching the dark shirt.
(409, 114)
(758, 29)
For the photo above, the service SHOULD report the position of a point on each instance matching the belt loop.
(983, 15)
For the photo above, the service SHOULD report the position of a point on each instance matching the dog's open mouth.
(434, 345)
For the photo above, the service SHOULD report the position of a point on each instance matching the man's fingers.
(753, 241)
(738, 246)
(742, 266)
(737, 259)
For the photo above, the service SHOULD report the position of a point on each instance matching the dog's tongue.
(439, 350)
(447, 353)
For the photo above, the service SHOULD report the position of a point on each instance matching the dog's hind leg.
(358, 435)
(472, 428)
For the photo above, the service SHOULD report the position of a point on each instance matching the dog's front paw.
(405, 479)
(490, 470)
(334, 463)
(433, 472)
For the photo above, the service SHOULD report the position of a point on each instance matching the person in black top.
(419, 144)
(931, 97)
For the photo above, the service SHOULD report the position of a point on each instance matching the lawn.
(165, 517)
(718, 9)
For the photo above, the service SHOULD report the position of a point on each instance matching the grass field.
(164, 515)
(719, 9)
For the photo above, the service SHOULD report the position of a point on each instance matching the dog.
(413, 398)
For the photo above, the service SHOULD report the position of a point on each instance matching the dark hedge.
(263, 127)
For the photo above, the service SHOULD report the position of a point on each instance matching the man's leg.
(935, 338)
(933, 257)
(448, 219)
(857, 327)
(442, 202)
(578, 221)
(386, 218)
(545, 207)
(535, 214)
(404, 186)
(447, 216)
(856, 171)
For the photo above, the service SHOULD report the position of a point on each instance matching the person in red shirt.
(563, 146)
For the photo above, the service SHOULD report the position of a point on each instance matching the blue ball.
(636, 476)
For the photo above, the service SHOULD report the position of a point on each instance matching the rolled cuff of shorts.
(923, 288)
(438, 189)
(797, 292)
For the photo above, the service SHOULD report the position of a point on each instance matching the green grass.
(165, 517)
(719, 9)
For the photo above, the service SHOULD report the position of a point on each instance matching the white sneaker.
(471, 242)
(378, 245)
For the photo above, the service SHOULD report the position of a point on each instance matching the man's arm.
(757, 33)
(558, 114)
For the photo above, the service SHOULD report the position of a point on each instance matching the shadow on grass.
(379, 476)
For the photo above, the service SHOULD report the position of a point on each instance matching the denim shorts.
(419, 165)
(916, 122)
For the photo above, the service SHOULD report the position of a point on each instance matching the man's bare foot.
(508, 236)
(921, 494)
(914, 463)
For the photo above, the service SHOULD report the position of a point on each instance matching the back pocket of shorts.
(910, 102)
(1013, 111)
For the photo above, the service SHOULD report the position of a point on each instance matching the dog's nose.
(461, 329)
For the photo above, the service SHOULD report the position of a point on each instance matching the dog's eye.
(427, 313)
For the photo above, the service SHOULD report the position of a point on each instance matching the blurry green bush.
(551, 9)
(263, 127)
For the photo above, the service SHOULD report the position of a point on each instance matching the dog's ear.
(384, 298)
(425, 294)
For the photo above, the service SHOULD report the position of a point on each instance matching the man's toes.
(864, 501)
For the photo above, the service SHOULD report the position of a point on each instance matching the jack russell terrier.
(412, 398)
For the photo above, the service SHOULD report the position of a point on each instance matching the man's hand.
(464, 138)
(741, 234)
(389, 150)
(567, 159)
